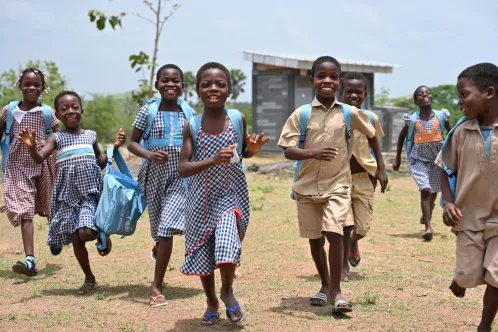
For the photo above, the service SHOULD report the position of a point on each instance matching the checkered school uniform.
(27, 186)
(163, 187)
(421, 162)
(77, 190)
(218, 209)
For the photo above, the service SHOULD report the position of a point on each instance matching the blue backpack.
(5, 145)
(121, 203)
(303, 123)
(235, 118)
(452, 175)
(411, 128)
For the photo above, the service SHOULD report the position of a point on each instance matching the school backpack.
(452, 175)
(121, 203)
(235, 118)
(303, 123)
(5, 144)
(411, 128)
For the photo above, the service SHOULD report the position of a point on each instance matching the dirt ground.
(401, 284)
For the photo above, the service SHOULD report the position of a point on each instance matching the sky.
(431, 42)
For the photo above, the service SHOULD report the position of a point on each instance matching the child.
(471, 151)
(363, 168)
(324, 179)
(79, 180)
(218, 200)
(28, 186)
(158, 176)
(424, 131)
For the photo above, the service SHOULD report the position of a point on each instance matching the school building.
(280, 84)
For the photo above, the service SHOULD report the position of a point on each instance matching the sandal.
(354, 259)
(341, 306)
(234, 310)
(22, 268)
(87, 287)
(153, 301)
(319, 300)
(210, 319)
(108, 248)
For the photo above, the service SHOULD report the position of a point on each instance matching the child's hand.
(381, 176)
(120, 139)
(451, 215)
(326, 154)
(159, 157)
(223, 155)
(254, 143)
(396, 164)
(28, 138)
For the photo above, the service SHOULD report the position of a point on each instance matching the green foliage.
(100, 19)
(189, 82)
(383, 99)
(56, 82)
(238, 81)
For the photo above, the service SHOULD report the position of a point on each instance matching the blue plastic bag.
(122, 201)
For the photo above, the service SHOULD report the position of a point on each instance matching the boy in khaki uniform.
(322, 186)
(363, 168)
(473, 211)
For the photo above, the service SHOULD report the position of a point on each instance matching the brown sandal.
(107, 250)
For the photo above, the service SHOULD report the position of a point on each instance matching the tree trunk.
(156, 43)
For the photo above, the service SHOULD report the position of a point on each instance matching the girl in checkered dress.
(421, 160)
(78, 185)
(27, 186)
(217, 212)
(163, 187)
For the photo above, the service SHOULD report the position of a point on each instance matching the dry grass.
(401, 284)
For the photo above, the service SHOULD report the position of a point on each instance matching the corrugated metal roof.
(305, 62)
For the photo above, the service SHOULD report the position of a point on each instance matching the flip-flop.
(153, 301)
(427, 236)
(319, 300)
(211, 319)
(345, 277)
(339, 307)
(233, 310)
(354, 259)
(87, 287)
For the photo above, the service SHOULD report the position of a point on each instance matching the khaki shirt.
(326, 128)
(477, 184)
(361, 150)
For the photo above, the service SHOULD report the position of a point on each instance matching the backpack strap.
(409, 136)
(303, 123)
(151, 115)
(47, 118)
(372, 121)
(347, 113)
(236, 118)
(195, 126)
(5, 144)
(440, 117)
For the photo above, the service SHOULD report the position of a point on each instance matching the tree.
(189, 82)
(141, 62)
(238, 81)
(55, 81)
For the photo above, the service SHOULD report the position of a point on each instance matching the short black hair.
(64, 93)
(416, 91)
(484, 75)
(170, 66)
(37, 72)
(353, 75)
(324, 59)
(212, 65)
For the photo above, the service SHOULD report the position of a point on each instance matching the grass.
(401, 284)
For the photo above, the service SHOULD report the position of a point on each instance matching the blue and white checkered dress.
(163, 187)
(421, 163)
(77, 190)
(218, 209)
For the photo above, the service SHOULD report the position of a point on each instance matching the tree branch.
(149, 4)
(143, 18)
(175, 8)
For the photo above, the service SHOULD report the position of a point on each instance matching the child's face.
(69, 111)
(31, 87)
(354, 93)
(326, 81)
(423, 97)
(170, 84)
(471, 100)
(213, 88)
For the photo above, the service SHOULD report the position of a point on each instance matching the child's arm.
(452, 214)
(29, 139)
(380, 173)
(134, 147)
(253, 143)
(102, 157)
(399, 148)
(2, 128)
(188, 168)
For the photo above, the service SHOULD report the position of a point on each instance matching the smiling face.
(326, 80)
(31, 86)
(169, 84)
(69, 111)
(472, 101)
(354, 92)
(423, 97)
(213, 88)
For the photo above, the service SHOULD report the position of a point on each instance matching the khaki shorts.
(323, 213)
(477, 258)
(362, 196)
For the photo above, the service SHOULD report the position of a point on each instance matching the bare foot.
(482, 328)
(457, 290)
(428, 234)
